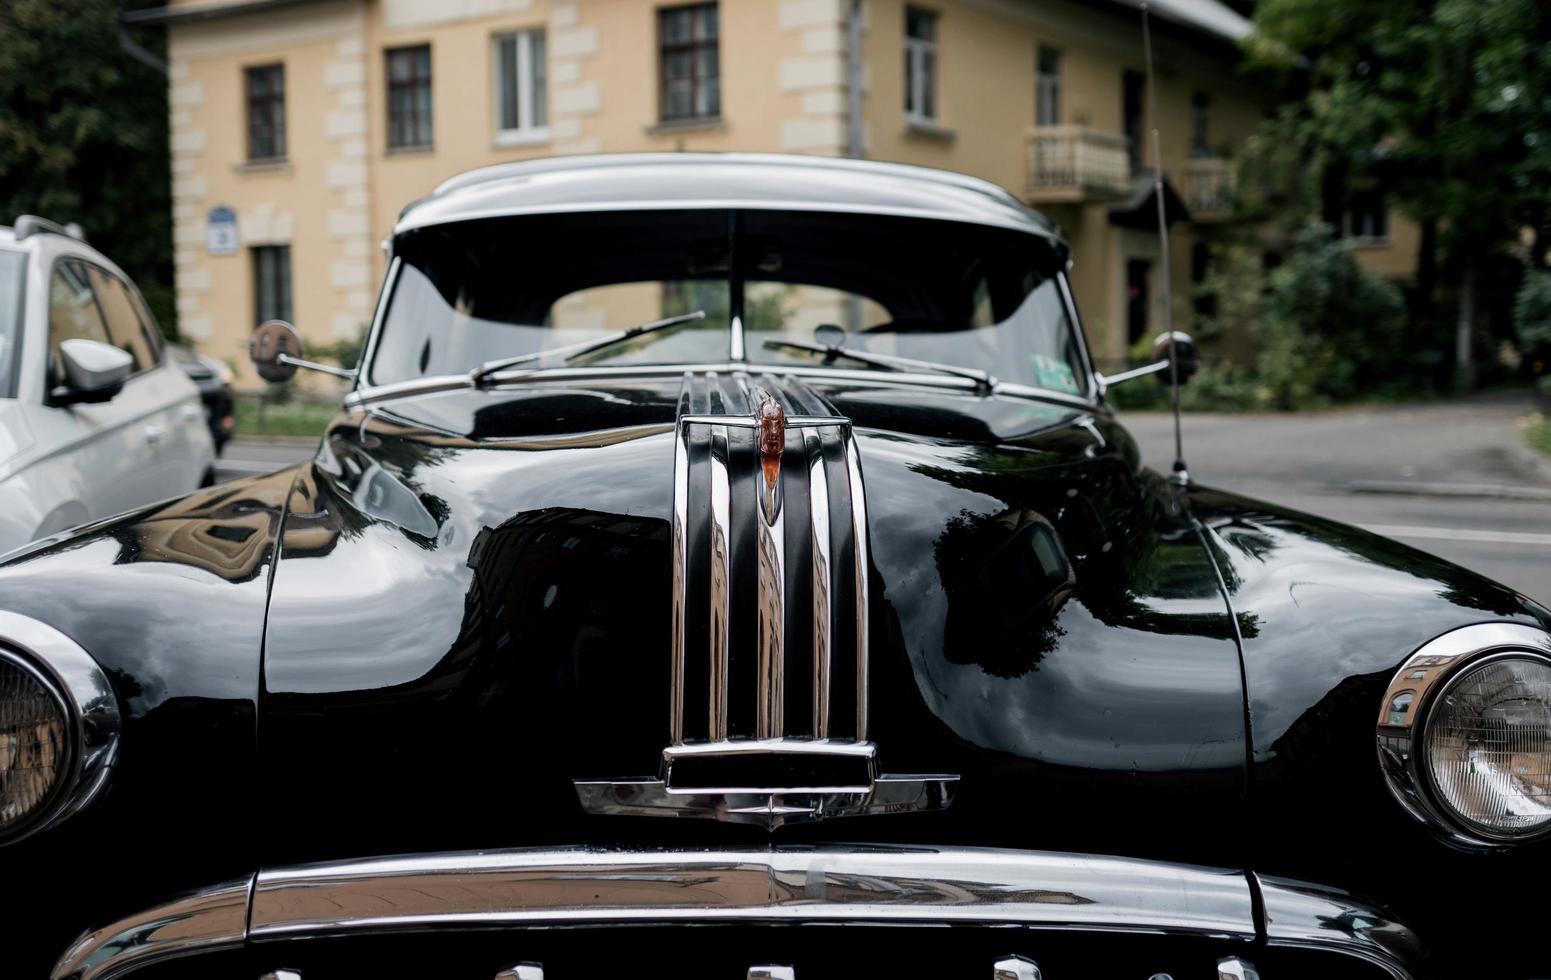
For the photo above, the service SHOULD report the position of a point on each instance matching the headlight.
(59, 727)
(34, 743)
(1465, 734)
(1488, 746)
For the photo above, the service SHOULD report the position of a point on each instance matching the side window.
(72, 312)
(126, 328)
(153, 330)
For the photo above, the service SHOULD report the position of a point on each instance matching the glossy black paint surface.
(170, 600)
(468, 609)
(1324, 608)
(512, 633)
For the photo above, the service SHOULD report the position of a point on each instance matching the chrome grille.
(769, 594)
(715, 435)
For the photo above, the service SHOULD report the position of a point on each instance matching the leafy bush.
(1532, 316)
(1332, 330)
(1324, 330)
(346, 353)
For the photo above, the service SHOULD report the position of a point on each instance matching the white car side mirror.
(94, 371)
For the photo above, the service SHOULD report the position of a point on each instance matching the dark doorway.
(1131, 112)
(1137, 271)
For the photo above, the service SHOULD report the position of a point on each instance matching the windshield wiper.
(890, 362)
(479, 377)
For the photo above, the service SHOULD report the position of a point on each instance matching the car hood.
(483, 583)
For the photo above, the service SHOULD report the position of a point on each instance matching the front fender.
(169, 600)
(1327, 614)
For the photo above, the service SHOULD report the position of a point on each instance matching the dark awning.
(1140, 208)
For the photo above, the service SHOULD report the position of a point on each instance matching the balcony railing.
(1209, 183)
(1074, 164)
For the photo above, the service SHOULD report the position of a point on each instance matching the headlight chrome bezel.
(93, 723)
(1404, 717)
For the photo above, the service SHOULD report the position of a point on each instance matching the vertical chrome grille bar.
(818, 513)
(859, 536)
(680, 576)
(769, 720)
(721, 581)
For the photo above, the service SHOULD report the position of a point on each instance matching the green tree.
(1331, 329)
(1441, 102)
(1532, 319)
(83, 136)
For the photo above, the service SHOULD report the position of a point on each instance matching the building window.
(522, 85)
(409, 97)
(272, 283)
(1200, 125)
(266, 112)
(920, 64)
(1133, 90)
(690, 65)
(1367, 218)
(1048, 94)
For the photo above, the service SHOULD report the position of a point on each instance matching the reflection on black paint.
(1006, 577)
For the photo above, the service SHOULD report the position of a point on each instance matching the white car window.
(126, 330)
(72, 313)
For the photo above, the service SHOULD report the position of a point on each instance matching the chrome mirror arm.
(1107, 381)
(347, 373)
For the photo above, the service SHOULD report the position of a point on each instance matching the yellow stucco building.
(301, 127)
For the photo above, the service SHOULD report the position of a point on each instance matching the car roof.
(694, 181)
(50, 243)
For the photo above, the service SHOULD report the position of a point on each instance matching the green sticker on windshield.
(1053, 374)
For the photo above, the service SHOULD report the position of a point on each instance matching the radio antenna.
(1180, 475)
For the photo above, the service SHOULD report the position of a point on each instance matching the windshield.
(13, 269)
(964, 295)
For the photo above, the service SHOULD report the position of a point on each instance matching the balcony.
(1074, 165)
(1209, 188)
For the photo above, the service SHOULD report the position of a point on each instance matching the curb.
(307, 442)
(1414, 488)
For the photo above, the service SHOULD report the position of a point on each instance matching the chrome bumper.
(864, 885)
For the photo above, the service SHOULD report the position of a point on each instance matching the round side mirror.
(829, 335)
(1189, 356)
(270, 340)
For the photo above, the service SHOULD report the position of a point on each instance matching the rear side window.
(128, 329)
(73, 312)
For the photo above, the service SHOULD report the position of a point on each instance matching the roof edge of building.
(207, 10)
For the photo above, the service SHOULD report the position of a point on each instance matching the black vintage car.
(729, 567)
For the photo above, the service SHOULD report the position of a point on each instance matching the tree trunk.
(1464, 330)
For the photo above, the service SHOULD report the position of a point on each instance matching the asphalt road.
(1454, 478)
(1450, 478)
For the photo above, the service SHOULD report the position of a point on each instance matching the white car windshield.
(968, 296)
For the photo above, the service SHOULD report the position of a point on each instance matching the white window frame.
(525, 132)
(920, 52)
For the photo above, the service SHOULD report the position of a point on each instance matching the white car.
(94, 420)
